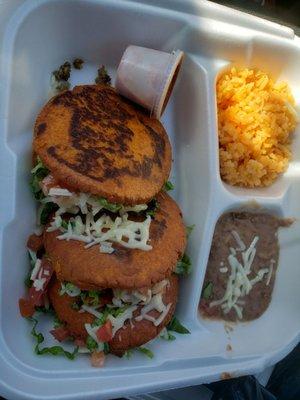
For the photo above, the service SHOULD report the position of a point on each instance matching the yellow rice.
(256, 117)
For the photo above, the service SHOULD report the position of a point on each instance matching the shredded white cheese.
(39, 282)
(137, 208)
(106, 247)
(130, 234)
(159, 287)
(104, 230)
(36, 269)
(122, 297)
(223, 270)
(239, 284)
(270, 272)
(119, 321)
(232, 251)
(157, 304)
(59, 192)
(74, 202)
(239, 241)
(55, 224)
(91, 310)
(152, 300)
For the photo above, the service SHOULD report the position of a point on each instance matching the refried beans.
(242, 266)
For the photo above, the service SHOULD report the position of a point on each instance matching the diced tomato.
(26, 308)
(79, 342)
(46, 271)
(60, 333)
(104, 333)
(48, 183)
(35, 243)
(97, 359)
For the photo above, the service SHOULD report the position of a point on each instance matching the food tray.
(37, 38)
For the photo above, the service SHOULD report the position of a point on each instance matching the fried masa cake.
(112, 236)
(127, 332)
(127, 268)
(95, 141)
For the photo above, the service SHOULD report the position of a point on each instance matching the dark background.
(286, 12)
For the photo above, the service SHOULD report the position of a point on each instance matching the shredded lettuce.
(184, 266)
(47, 210)
(189, 229)
(153, 206)
(57, 323)
(94, 295)
(90, 297)
(32, 259)
(100, 321)
(64, 224)
(91, 344)
(45, 310)
(113, 207)
(69, 289)
(166, 335)
(53, 350)
(115, 312)
(106, 348)
(168, 186)
(207, 291)
(144, 350)
(38, 173)
(128, 354)
(175, 326)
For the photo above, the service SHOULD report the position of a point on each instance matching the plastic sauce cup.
(147, 77)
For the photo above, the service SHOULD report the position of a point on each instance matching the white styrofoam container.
(39, 36)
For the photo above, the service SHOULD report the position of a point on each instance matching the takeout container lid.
(211, 36)
(147, 77)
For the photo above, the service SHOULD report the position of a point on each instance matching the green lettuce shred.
(175, 326)
(168, 186)
(38, 173)
(113, 207)
(144, 350)
(128, 354)
(53, 350)
(184, 266)
(189, 229)
(207, 291)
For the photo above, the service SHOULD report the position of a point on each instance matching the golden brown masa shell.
(131, 336)
(126, 268)
(97, 142)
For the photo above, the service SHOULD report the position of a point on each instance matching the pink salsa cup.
(147, 77)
